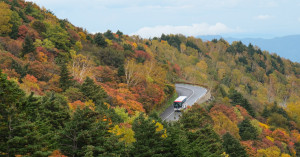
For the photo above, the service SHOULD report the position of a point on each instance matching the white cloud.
(299, 19)
(262, 17)
(193, 30)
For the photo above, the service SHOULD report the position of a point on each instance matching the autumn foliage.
(76, 93)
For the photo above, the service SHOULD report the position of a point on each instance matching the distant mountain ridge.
(286, 46)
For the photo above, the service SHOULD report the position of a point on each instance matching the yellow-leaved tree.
(82, 36)
(269, 152)
(236, 76)
(5, 16)
(132, 71)
(81, 66)
(125, 133)
(160, 127)
(202, 65)
(285, 155)
(222, 125)
(293, 109)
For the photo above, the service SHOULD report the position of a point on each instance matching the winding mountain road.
(193, 93)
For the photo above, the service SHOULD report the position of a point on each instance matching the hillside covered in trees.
(67, 92)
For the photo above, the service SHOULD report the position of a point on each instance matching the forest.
(67, 92)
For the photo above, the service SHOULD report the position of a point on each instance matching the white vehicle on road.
(179, 103)
(192, 93)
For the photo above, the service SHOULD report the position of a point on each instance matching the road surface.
(193, 94)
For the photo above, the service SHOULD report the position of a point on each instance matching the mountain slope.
(286, 46)
(65, 91)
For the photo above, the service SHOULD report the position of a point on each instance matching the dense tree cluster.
(233, 147)
(65, 91)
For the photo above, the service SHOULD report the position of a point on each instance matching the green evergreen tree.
(148, 141)
(197, 117)
(204, 142)
(93, 91)
(10, 97)
(214, 40)
(100, 40)
(29, 8)
(74, 94)
(111, 57)
(54, 110)
(238, 99)
(53, 113)
(109, 35)
(247, 131)
(277, 109)
(23, 16)
(231, 49)
(266, 113)
(176, 143)
(24, 137)
(240, 47)
(47, 137)
(127, 47)
(119, 33)
(39, 26)
(87, 134)
(27, 46)
(15, 3)
(233, 147)
(14, 32)
(30, 107)
(192, 45)
(22, 70)
(16, 22)
(89, 151)
(19, 133)
(88, 37)
(37, 129)
(251, 49)
(65, 80)
(121, 71)
(202, 139)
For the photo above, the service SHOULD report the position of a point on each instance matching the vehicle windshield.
(177, 104)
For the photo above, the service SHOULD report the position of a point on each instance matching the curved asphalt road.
(193, 93)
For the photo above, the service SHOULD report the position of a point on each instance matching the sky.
(150, 18)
